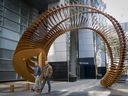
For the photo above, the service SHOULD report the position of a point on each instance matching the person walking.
(37, 72)
(47, 73)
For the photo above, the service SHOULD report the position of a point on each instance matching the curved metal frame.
(38, 38)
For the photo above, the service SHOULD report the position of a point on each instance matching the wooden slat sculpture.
(38, 38)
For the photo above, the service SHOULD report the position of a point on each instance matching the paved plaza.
(86, 87)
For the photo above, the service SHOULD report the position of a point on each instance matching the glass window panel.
(7, 44)
(126, 26)
(33, 18)
(7, 75)
(0, 23)
(22, 28)
(12, 16)
(13, 1)
(30, 23)
(11, 25)
(0, 29)
(6, 65)
(87, 53)
(9, 34)
(24, 13)
(4, 53)
(12, 5)
(60, 47)
(35, 15)
(1, 2)
(60, 56)
(30, 20)
(35, 11)
(24, 10)
(23, 21)
(1, 8)
(1, 13)
(1, 20)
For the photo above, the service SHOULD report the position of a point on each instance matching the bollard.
(11, 87)
(27, 86)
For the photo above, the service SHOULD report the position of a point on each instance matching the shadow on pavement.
(78, 94)
(55, 93)
(115, 90)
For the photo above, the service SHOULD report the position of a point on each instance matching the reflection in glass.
(5, 65)
(23, 21)
(24, 12)
(9, 34)
(4, 53)
(1, 2)
(12, 5)
(11, 25)
(1, 8)
(12, 16)
(22, 29)
(7, 44)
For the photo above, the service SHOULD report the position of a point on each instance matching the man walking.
(47, 73)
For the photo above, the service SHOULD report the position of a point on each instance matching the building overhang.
(40, 5)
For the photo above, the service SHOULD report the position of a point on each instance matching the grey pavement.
(86, 87)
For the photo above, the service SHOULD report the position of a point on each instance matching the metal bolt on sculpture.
(37, 38)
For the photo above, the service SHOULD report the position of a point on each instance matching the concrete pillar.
(73, 52)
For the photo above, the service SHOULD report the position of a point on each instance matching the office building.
(15, 17)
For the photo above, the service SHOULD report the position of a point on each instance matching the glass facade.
(15, 17)
(58, 50)
(79, 48)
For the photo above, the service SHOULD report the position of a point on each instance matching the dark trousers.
(46, 79)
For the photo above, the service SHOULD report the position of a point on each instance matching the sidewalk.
(87, 87)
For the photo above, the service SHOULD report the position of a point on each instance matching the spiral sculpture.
(37, 38)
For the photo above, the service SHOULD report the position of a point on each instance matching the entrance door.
(87, 71)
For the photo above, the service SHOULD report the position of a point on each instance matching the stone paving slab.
(80, 88)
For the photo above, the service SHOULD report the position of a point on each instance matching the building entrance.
(87, 72)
